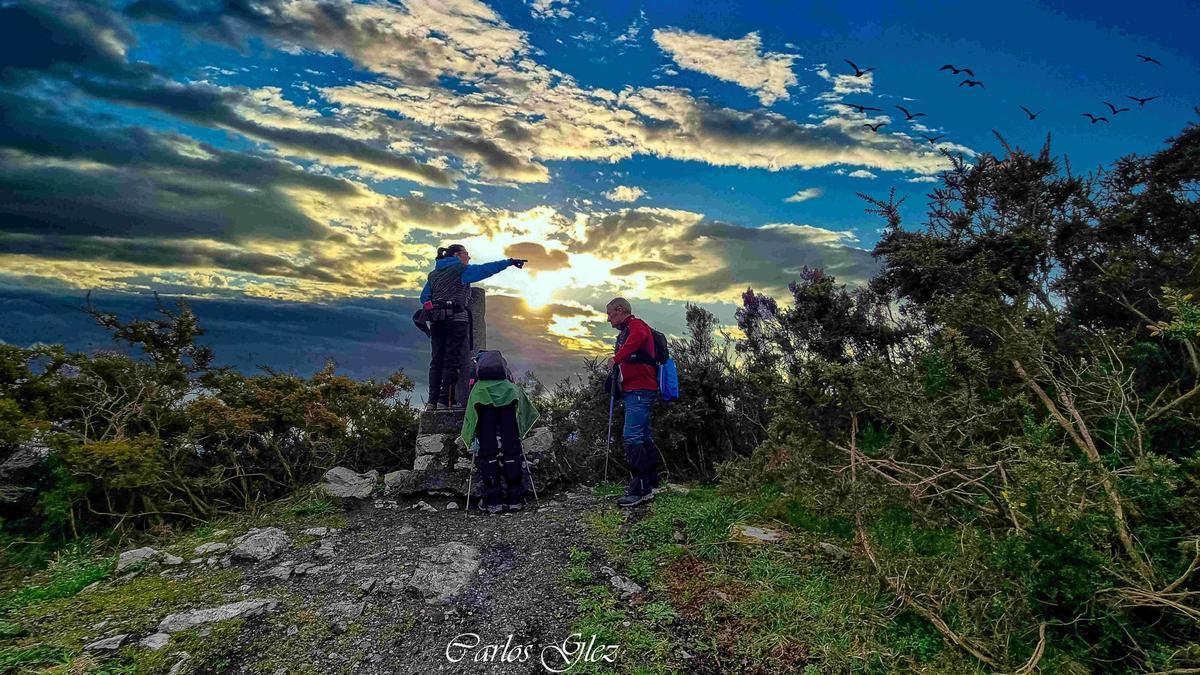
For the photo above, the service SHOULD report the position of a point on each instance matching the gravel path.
(396, 586)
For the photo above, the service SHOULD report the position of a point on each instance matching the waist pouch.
(444, 310)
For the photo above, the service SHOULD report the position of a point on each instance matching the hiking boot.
(516, 507)
(494, 508)
(634, 500)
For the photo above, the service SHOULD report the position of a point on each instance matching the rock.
(444, 570)
(320, 569)
(210, 548)
(342, 579)
(676, 487)
(833, 551)
(325, 550)
(190, 619)
(539, 442)
(220, 533)
(626, 587)
(403, 481)
(678, 537)
(389, 504)
(291, 630)
(758, 534)
(303, 568)
(338, 628)
(183, 657)
(282, 571)
(169, 559)
(135, 556)
(107, 644)
(451, 506)
(156, 641)
(367, 586)
(342, 482)
(316, 531)
(262, 545)
(423, 506)
(348, 610)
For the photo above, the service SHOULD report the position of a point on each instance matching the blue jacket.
(472, 274)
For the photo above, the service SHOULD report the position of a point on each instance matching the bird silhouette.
(861, 108)
(971, 83)
(933, 139)
(875, 128)
(1115, 110)
(1095, 119)
(1148, 59)
(1032, 115)
(858, 72)
(957, 70)
(908, 115)
(1141, 101)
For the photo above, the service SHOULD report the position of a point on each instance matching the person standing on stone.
(637, 377)
(445, 297)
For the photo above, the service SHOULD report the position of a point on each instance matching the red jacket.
(636, 376)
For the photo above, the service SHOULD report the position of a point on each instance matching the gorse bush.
(159, 435)
(1005, 420)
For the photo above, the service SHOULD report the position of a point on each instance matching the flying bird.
(971, 83)
(1141, 101)
(857, 71)
(1032, 115)
(1148, 59)
(933, 139)
(1094, 119)
(1114, 108)
(957, 70)
(908, 115)
(861, 108)
(875, 128)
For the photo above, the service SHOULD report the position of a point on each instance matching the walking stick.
(612, 397)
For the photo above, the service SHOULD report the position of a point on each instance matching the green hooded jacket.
(498, 393)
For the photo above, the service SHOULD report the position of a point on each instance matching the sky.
(290, 167)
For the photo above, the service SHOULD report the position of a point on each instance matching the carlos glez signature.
(555, 658)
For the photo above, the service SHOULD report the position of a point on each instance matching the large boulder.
(345, 483)
(444, 570)
(173, 623)
(263, 544)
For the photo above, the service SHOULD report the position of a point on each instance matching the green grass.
(779, 607)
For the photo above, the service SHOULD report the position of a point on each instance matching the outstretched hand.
(518, 262)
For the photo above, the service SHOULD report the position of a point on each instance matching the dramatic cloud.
(861, 173)
(537, 255)
(805, 195)
(625, 193)
(418, 41)
(741, 61)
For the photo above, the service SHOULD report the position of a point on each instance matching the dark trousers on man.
(640, 450)
(449, 340)
(501, 463)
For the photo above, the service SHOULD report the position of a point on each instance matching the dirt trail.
(399, 584)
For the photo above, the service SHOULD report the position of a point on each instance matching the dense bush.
(1014, 449)
(157, 435)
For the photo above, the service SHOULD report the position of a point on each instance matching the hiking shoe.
(515, 507)
(634, 500)
(494, 508)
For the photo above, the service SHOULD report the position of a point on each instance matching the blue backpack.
(668, 381)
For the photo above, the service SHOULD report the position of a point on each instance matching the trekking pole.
(612, 397)
(529, 470)
(470, 478)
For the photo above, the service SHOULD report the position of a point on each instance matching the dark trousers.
(449, 340)
(500, 460)
(640, 450)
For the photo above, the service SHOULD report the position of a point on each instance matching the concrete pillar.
(476, 341)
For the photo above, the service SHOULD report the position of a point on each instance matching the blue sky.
(310, 153)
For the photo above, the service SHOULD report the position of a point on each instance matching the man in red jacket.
(638, 378)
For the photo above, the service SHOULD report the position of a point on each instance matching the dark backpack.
(661, 354)
(491, 365)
